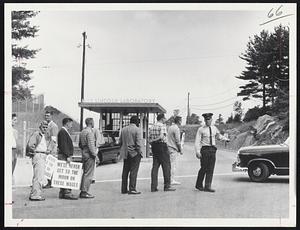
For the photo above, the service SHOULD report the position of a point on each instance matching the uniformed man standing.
(205, 146)
(87, 144)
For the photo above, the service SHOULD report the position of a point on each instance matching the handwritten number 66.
(277, 12)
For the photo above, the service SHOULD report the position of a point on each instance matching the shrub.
(237, 118)
(253, 114)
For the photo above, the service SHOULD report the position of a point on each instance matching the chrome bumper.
(237, 168)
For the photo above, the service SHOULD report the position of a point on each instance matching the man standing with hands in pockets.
(161, 156)
(131, 151)
(89, 157)
(205, 146)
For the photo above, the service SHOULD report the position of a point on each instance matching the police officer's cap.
(207, 116)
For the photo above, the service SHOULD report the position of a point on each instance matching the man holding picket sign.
(65, 153)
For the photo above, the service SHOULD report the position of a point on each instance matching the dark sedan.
(109, 151)
(263, 161)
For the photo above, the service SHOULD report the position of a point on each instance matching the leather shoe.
(169, 189)
(209, 190)
(133, 192)
(199, 188)
(86, 195)
(124, 192)
(154, 190)
(40, 198)
(69, 197)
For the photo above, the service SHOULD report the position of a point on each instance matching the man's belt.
(44, 152)
(159, 142)
(209, 147)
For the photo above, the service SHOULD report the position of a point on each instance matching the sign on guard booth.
(65, 175)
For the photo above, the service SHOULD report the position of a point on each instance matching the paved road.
(236, 196)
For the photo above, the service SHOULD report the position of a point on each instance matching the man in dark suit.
(65, 153)
(131, 144)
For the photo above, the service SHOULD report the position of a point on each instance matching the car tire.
(258, 172)
(116, 160)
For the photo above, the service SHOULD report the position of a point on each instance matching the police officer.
(205, 146)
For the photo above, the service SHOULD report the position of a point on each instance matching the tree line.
(21, 29)
(266, 74)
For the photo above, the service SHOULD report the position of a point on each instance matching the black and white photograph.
(139, 114)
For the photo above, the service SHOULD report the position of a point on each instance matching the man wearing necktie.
(205, 146)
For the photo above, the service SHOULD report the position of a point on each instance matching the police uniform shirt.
(203, 137)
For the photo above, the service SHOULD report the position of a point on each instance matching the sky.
(145, 54)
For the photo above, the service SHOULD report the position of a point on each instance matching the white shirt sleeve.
(198, 141)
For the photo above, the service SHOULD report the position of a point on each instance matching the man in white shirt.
(205, 146)
(14, 142)
(37, 149)
(174, 146)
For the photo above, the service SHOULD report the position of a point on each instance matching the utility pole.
(82, 80)
(188, 109)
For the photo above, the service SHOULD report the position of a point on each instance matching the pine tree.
(280, 68)
(257, 57)
(267, 69)
(21, 29)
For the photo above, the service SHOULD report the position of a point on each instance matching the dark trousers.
(208, 160)
(88, 165)
(130, 167)
(161, 157)
(62, 191)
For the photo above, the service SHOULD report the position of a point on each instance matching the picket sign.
(63, 174)
(51, 163)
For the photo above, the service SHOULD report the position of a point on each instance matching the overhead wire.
(220, 102)
(166, 59)
(214, 108)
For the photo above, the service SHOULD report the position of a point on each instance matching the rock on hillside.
(266, 130)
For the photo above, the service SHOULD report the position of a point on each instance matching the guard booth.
(114, 116)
